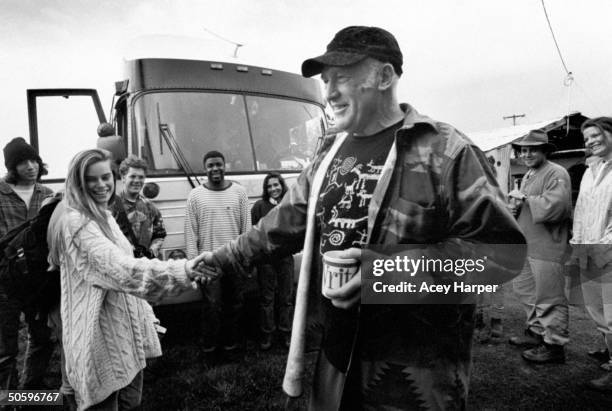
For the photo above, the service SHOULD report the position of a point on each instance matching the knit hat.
(354, 44)
(16, 151)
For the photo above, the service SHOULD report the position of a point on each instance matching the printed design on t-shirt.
(349, 223)
(347, 198)
(363, 234)
(335, 237)
(371, 173)
(344, 200)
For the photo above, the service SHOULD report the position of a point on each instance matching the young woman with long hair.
(275, 276)
(108, 326)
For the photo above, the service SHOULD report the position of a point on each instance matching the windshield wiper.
(176, 151)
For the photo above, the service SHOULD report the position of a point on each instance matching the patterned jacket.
(145, 219)
(13, 210)
(436, 188)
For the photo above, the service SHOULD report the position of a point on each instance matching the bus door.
(62, 123)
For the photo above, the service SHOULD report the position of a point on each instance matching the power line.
(569, 76)
(569, 73)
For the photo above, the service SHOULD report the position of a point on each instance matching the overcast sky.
(468, 63)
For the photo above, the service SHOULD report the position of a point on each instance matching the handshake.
(202, 269)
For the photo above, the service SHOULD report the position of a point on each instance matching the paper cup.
(337, 271)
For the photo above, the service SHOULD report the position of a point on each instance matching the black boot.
(530, 339)
(545, 353)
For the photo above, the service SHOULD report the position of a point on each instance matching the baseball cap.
(354, 44)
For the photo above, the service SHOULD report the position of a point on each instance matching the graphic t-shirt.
(342, 216)
(342, 207)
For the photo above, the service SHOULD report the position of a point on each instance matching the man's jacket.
(436, 188)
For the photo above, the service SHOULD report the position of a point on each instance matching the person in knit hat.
(17, 151)
(24, 169)
(592, 238)
(107, 326)
(21, 195)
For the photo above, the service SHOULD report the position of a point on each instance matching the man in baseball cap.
(389, 176)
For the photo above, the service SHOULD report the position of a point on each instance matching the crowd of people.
(385, 175)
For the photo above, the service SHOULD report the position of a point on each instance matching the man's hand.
(517, 194)
(202, 269)
(349, 294)
(515, 203)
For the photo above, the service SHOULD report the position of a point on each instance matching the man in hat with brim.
(543, 208)
(390, 176)
(21, 195)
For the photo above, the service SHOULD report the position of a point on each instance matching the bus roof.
(162, 74)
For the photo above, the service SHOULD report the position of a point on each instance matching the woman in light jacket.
(592, 239)
(108, 326)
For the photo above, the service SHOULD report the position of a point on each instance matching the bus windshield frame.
(256, 133)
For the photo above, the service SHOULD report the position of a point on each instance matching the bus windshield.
(254, 133)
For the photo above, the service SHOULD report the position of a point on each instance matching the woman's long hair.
(281, 180)
(78, 197)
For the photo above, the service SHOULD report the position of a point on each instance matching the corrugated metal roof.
(490, 139)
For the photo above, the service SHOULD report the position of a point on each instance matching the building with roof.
(563, 132)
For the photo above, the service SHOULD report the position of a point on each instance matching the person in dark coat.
(275, 276)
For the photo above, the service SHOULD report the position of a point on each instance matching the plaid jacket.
(436, 188)
(13, 210)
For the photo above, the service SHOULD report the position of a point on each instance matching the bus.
(172, 111)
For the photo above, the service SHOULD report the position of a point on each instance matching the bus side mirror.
(110, 141)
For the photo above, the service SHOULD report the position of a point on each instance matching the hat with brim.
(535, 138)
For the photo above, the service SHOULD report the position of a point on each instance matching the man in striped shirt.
(217, 212)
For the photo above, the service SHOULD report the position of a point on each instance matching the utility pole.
(514, 117)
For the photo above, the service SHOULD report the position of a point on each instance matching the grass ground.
(186, 379)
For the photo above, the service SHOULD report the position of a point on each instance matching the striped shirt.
(215, 217)
(593, 213)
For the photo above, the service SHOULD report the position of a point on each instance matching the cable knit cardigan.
(107, 325)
